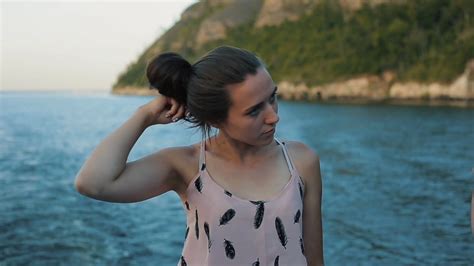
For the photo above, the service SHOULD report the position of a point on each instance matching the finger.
(179, 114)
(174, 107)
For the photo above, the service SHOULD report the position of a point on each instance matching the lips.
(270, 131)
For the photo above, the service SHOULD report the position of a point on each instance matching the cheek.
(245, 126)
(251, 126)
(255, 124)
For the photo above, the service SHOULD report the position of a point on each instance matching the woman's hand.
(163, 110)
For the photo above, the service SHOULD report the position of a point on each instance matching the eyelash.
(272, 101)
(274, 97)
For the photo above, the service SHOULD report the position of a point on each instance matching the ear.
(217, 125)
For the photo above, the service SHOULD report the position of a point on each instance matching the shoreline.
(399, 102)
(433, 102)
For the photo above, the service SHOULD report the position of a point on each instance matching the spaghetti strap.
(202, 155)
(288, 159)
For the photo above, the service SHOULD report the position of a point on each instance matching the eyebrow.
(258, 105)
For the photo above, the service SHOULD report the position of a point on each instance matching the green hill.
(421, 40)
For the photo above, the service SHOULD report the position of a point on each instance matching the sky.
(77, 45)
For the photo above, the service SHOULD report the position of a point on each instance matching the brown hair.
(201, 86)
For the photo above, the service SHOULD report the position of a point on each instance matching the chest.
(262, 180)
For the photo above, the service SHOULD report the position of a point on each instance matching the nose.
(271, 115)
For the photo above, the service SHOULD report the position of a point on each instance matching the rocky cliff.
(234, 13)
(384, 88)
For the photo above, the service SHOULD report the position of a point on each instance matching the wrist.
(145, 116)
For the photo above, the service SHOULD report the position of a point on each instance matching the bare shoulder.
(301, 153)
(306, 160)
(300, 149)
(181, 156)
(179, 151)
(184, 160)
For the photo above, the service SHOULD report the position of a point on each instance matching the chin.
(268, 140)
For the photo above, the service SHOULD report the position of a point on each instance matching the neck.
(232, 150)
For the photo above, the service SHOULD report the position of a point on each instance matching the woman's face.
(253, 114)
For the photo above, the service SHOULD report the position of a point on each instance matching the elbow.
(85, 188)
(80, 187)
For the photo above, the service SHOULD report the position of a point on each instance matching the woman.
(249, 198)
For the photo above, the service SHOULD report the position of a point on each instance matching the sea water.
(397, 182)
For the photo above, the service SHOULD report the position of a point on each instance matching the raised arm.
(107, 176)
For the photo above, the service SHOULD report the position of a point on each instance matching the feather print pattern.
(256, 202)
(227, 216)
(187, 205)
(198, 184)
(228, 193)
(302, 245)
(206, 229)
(203, 166)
(280, 228)
(229, 249)
(196, 226)
(256, 263)
(277, 259)
(259, 215)
(183, 261)
(297, 216)
(186, 234)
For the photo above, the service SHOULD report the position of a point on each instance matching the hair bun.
(169, 73)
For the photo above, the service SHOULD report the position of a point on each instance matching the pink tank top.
(223, 229)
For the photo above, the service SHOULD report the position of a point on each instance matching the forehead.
(254, 89)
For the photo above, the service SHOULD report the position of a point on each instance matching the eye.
(254, 112)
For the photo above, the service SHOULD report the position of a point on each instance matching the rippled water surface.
(397, 183)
